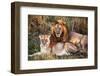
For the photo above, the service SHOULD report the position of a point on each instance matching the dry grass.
(53, 57)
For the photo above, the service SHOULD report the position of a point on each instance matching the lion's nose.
(58, 31)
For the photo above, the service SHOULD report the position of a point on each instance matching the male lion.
(59, 32)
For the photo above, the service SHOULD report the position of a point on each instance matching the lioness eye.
(46, 40)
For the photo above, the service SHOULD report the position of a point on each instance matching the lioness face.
(44, 40)
(58, 30)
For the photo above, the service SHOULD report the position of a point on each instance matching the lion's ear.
(64, 23)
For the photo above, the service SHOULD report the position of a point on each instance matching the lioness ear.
(40, 36)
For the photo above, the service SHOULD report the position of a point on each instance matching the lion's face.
(58, 30)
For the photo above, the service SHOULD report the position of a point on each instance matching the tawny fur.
(79, 40)
(44, 45)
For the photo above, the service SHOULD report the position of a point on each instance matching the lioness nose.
(44, 42)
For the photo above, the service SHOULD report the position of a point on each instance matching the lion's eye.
(59, 28)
